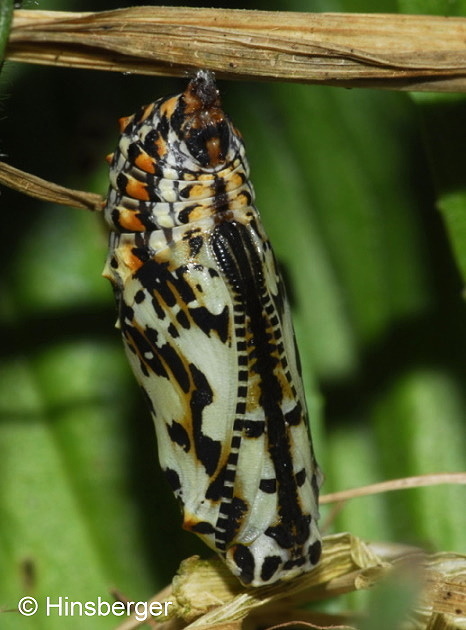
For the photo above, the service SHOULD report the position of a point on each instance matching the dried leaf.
(390, 51)
(205, 594)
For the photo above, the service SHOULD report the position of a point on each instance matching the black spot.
(215, 489)
(184, 288)
(303, 529)
(235, 444)
(225, 512)
(158, 308)
(179, 435)
(183, 215)
(139, 297)
(182, 319)
(126, 312)
(173, 331)
(240, 407)
(253, 428)
(315, 551)
(176, 365)
(122, 182)
(244, 560)
(295, 416)
(243, 375)
(269, 486)
(287, 537)
(149, 143)
(230, 473)
(195, 244)
(184, 193)
(207, 449)
(173, 479)
(222, 524)
(152, 335)
(164, 355)
(209, 322)
(134, 151)
(270, 567)
(116, 219)
(282, 535)
(300, 477)
(238, 424)
(203, 528)
(242, 391)
(144, 347)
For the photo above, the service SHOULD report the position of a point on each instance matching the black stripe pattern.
(207, 330)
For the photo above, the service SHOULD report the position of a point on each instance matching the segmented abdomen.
(207, 329)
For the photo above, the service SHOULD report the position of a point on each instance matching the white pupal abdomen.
(207, 329)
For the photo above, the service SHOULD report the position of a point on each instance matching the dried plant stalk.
(34, 186)
(404, 483)
(389, 51)
(205, 595)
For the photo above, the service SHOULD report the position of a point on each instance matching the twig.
(34, 186)
(396, 484)
(351, 50)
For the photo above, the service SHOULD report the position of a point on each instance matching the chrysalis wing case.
(207, 330)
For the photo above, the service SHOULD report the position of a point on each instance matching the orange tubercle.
(129, 220)
(137, 190)
(124, 121)
(130, 260)
(147, 111)
(145, 163)
(167, 108)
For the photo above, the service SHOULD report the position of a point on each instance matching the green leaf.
(446, 8)
(6, 14)
(444, 129)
